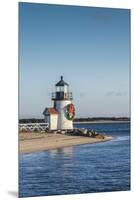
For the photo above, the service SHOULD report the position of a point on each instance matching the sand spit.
(34, 142)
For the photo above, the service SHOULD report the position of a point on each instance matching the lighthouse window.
(57, 89)
(60, 89)
(66, 89)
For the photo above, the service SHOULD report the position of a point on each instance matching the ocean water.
(87, 168)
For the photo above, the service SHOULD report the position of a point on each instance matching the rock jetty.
(80, 132)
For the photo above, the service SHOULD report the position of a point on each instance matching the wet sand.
(34, 142)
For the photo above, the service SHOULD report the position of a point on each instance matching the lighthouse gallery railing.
(62, 95)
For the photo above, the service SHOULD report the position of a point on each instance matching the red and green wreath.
(70, 111)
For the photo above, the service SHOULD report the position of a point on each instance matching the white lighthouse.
(62, 114)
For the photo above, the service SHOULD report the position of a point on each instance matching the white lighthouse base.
(63, 123)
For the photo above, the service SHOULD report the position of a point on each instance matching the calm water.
(100, 167)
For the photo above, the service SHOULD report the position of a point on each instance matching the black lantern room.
(62, 91)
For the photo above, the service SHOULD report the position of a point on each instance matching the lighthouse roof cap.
(61, 82)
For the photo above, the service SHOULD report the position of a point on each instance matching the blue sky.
(88, 46)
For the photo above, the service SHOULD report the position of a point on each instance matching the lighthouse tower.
(62, 103)
(62, 114)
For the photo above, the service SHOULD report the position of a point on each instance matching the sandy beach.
(34, 142)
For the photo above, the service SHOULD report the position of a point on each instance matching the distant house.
(51, 117)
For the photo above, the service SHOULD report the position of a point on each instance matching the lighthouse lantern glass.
(62, 89)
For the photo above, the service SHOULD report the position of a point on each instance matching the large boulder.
(99, 136)
(85, 131)
(89, 134)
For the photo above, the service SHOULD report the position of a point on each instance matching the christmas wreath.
(70, 111)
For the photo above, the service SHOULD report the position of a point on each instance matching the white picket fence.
(30, 127)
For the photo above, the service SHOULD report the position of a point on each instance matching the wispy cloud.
(116, 93)
(121, 93)
(109, 93)
(82, 94)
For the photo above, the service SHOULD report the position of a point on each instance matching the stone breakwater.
(80, 132)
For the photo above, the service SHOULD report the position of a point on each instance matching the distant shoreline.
(100, 122)
(82, 120)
